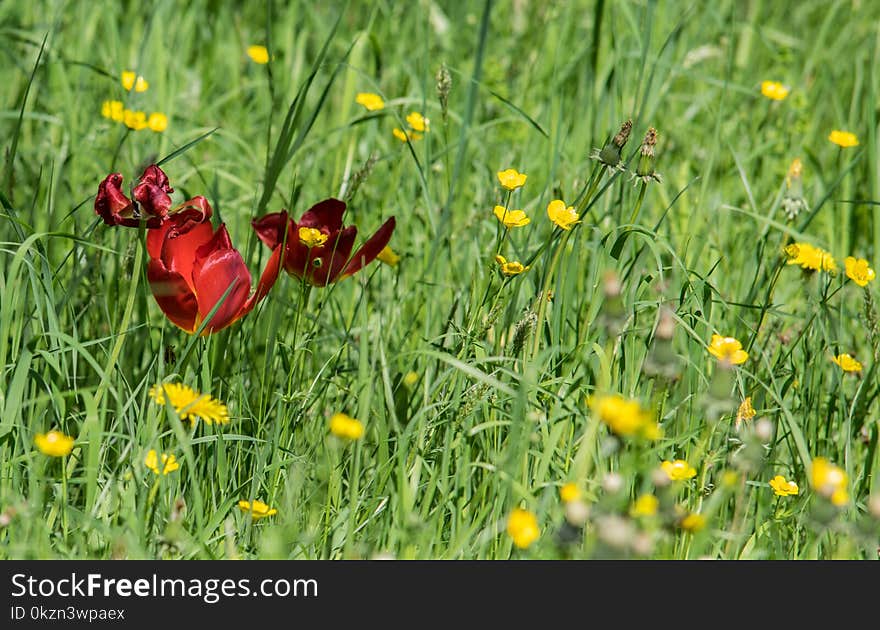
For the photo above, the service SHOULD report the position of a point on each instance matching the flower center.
(312, 237)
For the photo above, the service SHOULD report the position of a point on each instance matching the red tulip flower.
(317, 249)
(151, 199)
(192, 268)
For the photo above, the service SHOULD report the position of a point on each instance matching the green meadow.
(671, 353)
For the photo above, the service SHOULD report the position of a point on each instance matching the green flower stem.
(639, 201)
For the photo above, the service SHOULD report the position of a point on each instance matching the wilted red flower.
(191, 267)
(317, 248)
(151, 194)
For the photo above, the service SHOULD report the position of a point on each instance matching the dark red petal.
(173, 295)
(335, 258)
(219, 266)
(270, 228)
(325, 215)
(369, 250)
(152, 192)
(111, 204)
(266, 282)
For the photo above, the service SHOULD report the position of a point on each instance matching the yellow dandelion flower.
(169, 462)
(132, 80)
(562, 215)
(312, 237)
(522, 527)
(511, 179)
(745, 412)
(344, 426)
(388, 256)
(258, 54)
(135, 120)
(783, 488)
(372, 102)
(843, 139)
(810, 257)
(157, 122)
(678, 470)
(727, 349)
(512, 268)
(569, 492)
(829, 481)
(257, 510)
(511, 218)
(54, 443)
(693, 522)
(858, 270)
(847, 363)
(417, 122)
(774, 90)
(645, 505)
(190, 404)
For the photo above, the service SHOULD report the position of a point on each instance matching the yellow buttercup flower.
(344, 426)
(512, 268)
(258, 54)
(829, 481)
(511, 179)
(843, 139)
(693, 522)
(373, 102)
(388, 256)
(562, 215)
(417, 122)
(810, 257)
(727, 349)
(132, 80)
(774, 90)
(678, 470)
(169, 462)
(522, 527)
(403, 136)
(622, 415)
(645, 505)
(312, 237)
(134, 119)
(258, 510)
(858, 270)
(745, 411)
(847, 363)
(157, 122)
(114, 110)
(190, 404)
(54, 443)
(783, 488)
(569, 492)
(511, 218)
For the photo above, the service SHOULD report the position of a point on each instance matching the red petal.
(270, 228)
(369, 250)
(152, 192)
(219, 266)
(325, 215)
(266, 282)
(173, 295)
(111, 204)
(334, 258)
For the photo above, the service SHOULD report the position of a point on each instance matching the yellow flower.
(157, 122)
(645, 505)
(258, 54)
(511, 179)
(417, 122)
(373, 102)
(54, 443)
(678, 470)
(114, 110)
(344, 426)
(727, 349)
(843, 139)
(129, 81)
(745, 411)
(388, 256)
(312, 237)
(569, 492)
(522, 527)
(795, 170)
(774, 90)
(562, 215)
(404, 136)
(134, 120)
(847, 363)
(858, 270)
(258, 510)
(829, 480)
(693, 522)
(190, 404)
(622, 415)
(810, 257)
(512, 268)
(411, 379)
(511, 218)
(783, 488)
(151, 461)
